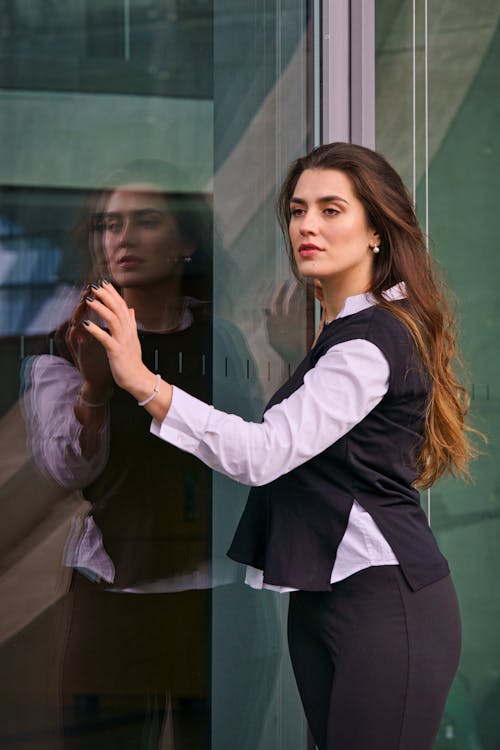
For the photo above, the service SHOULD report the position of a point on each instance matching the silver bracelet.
(156, 391)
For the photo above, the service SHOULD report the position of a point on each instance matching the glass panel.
(260, 104)
(462, 180)
(400, 65)
(142, 141)
(106, 535)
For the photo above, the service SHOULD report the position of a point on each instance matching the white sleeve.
(344, 386)
(51, 388)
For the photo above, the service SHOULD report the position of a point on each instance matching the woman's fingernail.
(86, 322)
(94, 285)
(89, 298)
(105, 281)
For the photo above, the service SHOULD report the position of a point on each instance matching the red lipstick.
(308, 249)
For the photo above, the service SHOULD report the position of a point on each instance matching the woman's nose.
(126, 235)
(309, 224)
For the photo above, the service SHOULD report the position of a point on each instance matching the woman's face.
(141, 238)
(329, 231)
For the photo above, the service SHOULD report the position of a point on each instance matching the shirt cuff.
(185, 423)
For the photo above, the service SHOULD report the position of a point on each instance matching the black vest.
(291, 527)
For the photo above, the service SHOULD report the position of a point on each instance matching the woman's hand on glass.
(119, 339)
(123, 349)
(89, 356)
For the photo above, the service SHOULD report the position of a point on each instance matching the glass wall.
(440, 132)
(261, 73)
(142, 141)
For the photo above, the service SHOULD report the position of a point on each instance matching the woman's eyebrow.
(142, 211)
(138, 212)
(325, 199)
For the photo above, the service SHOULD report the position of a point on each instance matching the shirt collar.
(185, 320)
(359, 302)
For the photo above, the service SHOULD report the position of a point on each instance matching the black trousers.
(374, 660)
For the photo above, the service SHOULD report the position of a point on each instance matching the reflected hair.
(427, 314)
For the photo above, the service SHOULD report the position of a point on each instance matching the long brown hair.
(403, 257)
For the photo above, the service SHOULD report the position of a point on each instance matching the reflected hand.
(286, 322)
(89, 355)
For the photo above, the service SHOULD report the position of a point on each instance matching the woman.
(373, 410)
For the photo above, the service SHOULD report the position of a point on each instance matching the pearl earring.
(376, 249)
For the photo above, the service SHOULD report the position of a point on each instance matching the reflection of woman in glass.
(137, 638)
(373, 409)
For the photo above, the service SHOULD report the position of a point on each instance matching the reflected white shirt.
(348, 381)
(51, 387)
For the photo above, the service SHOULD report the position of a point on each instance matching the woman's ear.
(374, 239)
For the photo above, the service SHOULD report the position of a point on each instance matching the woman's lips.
(307, 251)
(129, 261)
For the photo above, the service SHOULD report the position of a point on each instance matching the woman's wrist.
(143, 384)
(153, 394)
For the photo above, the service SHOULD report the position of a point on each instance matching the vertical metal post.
(348, 71)
(426, 137)
(363, 72)
(314, 74)
(336, 71)
(414, 101)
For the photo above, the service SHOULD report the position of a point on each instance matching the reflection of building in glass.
(33, 299)
(147, 48)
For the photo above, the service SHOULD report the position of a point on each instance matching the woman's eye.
(331, 211)
(149, 223)
(297, 212)
(110, 226)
